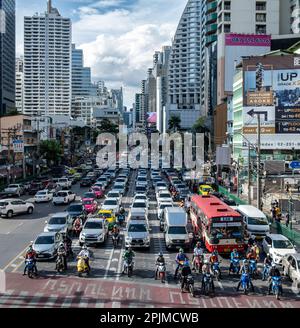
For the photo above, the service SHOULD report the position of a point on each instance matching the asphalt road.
(139, 290)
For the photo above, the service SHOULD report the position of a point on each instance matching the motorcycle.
(188, 284)
(60, 266)
(161, 272)
(82, 266)
(128, 267)
(68, 248)
(235, 266)
(77, 228)
(121, 219)
(266, 272)
(216, 270)
(207, 285)
(276, 286)
(115, 239)
(253, 268)
(30, 268)
(198, 262)
(245, 282)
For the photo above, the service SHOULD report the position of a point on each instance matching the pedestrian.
(287, 187)
(273, 212)
(287, 222)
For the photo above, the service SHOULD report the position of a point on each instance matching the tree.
(51, 150)
(174, 123)
(107, 126)
(200, 125)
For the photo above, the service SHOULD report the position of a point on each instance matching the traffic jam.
(157, 230)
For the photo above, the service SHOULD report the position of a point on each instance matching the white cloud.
(119, 44)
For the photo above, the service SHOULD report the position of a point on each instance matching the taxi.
(205, 190)
(109, 216)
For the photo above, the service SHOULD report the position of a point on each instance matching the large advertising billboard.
(253, 40)
(272, 90)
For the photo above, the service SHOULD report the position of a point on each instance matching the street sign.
(18, 146)
(295, 165)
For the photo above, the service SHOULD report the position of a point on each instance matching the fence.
(225, 192)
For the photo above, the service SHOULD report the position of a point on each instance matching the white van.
(256, 222)
(176, 234)
(137, 214)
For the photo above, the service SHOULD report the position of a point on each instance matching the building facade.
(7, 56)
(47, 64)
(20, 84)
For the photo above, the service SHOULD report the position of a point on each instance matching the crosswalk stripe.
(67, 301)
(19, 299)
(5, 297)
(51, 301)
(34, 301)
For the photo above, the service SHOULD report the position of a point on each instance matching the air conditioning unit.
(288, 157)
(269, 158)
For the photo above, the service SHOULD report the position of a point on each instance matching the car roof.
(88, 198)
(137, 222)
(60, 214)
(276, 236)
(250, 210)
(52, 233)
(94, 220)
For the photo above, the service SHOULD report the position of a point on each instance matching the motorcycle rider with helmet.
(198, 251)
(30, 254)
(234, 255)
(267, 263)
(68, 244)
(274, 272)
(214, 257)
(206, 269)
(179, 258)
(85, 253)
(128, 256)
(159, 260)
(115, 232)
(185, 272)
(245, 269)
(62, 251)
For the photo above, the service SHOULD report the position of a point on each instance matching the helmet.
(180, 250)
(206, 261)
(245, 261)
(198, 244)
(160, 254)
(273, 265)
(268, 255)
(61, 244)
(186, 263)
(84, 247)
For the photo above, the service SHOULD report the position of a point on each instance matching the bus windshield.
(226, 233)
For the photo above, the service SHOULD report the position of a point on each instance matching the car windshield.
(57, 220)
(164, 195)
(161, 184)
(44, 240)
(142, 179)
(110, 202)
(88, 202)
(113, 194)
(285, 244)
(61, 194)
(75, 208)
(177, 230)
(137, 228)
(89, 195)
(96, 189)
(105, 215)
(140, 197)
(63, 180)
(139, 205)
(182, 186)
(93, 225)
(42, 193)
(162, 206)
(140, 189)
(258, 221)
(13, 186)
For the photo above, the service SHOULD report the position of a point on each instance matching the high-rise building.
(7, 56)
(185, 87)
(47, 63)
(117, 99)
(19, 84)
(295, 16)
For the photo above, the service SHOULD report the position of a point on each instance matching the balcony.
(212, 6)
(211, 18)
(211, 38)
(211, 28)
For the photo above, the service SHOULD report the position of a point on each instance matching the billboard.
(253, 40)
(151, 117)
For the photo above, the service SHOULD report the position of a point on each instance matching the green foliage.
(174, 123)
(51, 150)
(107, 126)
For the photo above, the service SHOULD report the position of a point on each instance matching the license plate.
(41, 255)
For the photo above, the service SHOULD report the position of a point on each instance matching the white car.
(103, 180)
(10, 207)
(43, 196)
(163, 196)
(59, 222)
(291, 266)
(277, 246)
(119, 188)
(140, 204)
(141, 181)
(111, 204)
(161, 208)
(94, 231)
(63, 197)
(15, 189)
(141, 197)
(113, 194)
(64, 183)
(137, 234)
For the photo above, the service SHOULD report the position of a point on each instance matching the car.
(163, 195)
(277, 246)
(141, 189)
(205, 190)
(98, 191)
(64, 182)
(119, 188)
(52, 187)
(90, 205)
(160, 185)
(140, 204)
(46, 245)
(75, 210)
(122, 180)
(161, 208)
(35, 187)
(108, 215)
(137, 234)
(113, 194)
(111, 204)
(291, 266)
(154, 175)
(86, 182)
(89, 194)
(104, 181)
(142, 181)
(10, 207)
(63, 197)
(14, 189)
(43, 196)
(94, 231)
(59, 222)
(112, 172)
(141, 197)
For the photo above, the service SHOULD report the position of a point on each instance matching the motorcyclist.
(179, 258)
(267, 263)
(214, 257)
(122, 210)
(198, 251)
(62, 251)
(30, 254)
(159, 260)
(245, 269)
(274, 272)
(128, 256)
(252, 254)
(206, 269)
(77, 223)
(85, 253)
(186, 270)
(234, 255)
(68, 244)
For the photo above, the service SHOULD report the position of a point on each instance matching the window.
(261, 5)
(261, 29)
(227, 17)
(227, 28)
(227, 5)
(261, 17)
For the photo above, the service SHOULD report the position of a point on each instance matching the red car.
(98, 191)
(90, 205)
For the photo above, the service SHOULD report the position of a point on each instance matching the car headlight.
(128, 238)
(82, 234)
(99, 236)
(276, 254)
(147, 239)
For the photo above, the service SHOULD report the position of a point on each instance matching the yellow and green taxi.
(205, 190)
(109, 216)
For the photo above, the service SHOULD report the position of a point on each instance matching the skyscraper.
(19, 84)
(7, 56)
(47, 63)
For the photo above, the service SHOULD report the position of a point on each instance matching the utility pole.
(258, 164)
(249, 175)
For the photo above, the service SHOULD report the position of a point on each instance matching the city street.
(106, 286)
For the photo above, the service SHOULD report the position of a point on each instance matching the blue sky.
(118, 37)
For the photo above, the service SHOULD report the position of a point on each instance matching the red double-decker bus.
(219, 225)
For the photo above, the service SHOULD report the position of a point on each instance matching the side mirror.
(46, 221)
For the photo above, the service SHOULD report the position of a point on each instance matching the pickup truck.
(14, 190)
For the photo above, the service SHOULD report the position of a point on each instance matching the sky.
(118, 37)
